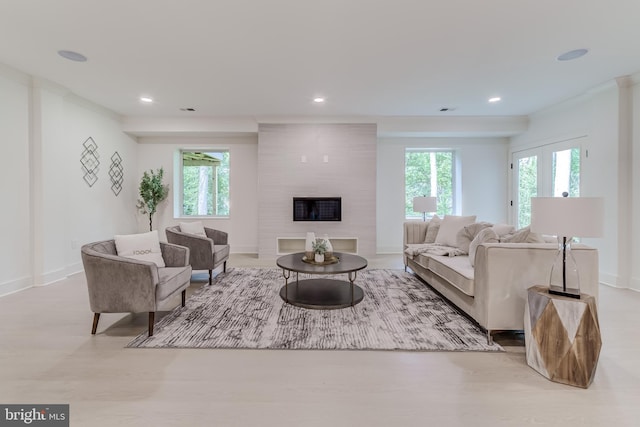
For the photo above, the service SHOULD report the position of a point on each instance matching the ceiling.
(252, 58)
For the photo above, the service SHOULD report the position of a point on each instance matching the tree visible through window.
(428, 173)
(205, 183)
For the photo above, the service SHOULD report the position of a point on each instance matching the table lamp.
(566, 218)
(425, 204)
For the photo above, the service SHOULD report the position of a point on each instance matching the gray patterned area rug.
(243, 309)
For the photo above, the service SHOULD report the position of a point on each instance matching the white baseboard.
(50, 277)
(609, 280)
(244, 249)
(388, 250)
(15, 285)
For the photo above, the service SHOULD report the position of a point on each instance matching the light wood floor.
(49, 356)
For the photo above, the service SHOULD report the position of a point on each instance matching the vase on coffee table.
(319, 257)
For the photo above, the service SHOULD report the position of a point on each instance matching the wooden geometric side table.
(562, 336)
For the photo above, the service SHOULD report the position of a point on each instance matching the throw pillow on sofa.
(143, 247)
(432, 229)
(502, 229)
(449, 228)
(466, 235)
(486, 235)
(195, 227)
(524, 235)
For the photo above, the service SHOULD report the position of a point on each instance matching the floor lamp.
(425, 204)
(566, 218)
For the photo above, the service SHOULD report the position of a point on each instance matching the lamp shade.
(425, 204)
(568, 216)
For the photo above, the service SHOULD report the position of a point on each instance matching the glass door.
(546, 171)
(525, 167)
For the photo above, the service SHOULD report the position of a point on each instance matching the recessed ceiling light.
(318, 100)
(146, 99)
(572, 54)
(495, 99)
(73, 56)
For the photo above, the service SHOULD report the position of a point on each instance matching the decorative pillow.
(143, 247)
(502, 229)
(432, 229)
(487, 235)
(524, 235)
(195, 227)
(449, 228)
(468, 233)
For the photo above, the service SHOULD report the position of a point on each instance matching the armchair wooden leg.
(210, 277)
(224, 267)
(184, 297)
(151, 321)
(96, 318)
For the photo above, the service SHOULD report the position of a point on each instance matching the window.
(205, 183)
(429, 173)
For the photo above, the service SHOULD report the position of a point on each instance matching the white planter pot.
(319, 258)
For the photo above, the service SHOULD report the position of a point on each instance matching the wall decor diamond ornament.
(116, 173)
(562, 336)
(90, 161)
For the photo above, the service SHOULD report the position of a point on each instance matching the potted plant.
(152, 192)
(319, 248)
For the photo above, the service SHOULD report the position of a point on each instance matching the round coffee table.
(323, 293)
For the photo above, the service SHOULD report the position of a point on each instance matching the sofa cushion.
(432, 229)
(449, 228)
(468, 233)
(171, 280)
(488, 235)
(456, 270)
(195, 227)
(143, 247)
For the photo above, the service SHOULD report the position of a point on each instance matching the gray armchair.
(206, 253)
(123, 285)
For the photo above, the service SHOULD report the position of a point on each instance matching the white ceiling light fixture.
(146, 99)
(318, 99)
(495, 99)
(72, 56)
(572, 54)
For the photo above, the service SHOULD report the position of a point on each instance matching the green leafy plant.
(152, 192)
(319, 246)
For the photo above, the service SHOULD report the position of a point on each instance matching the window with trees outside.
(205, 183)
(429, 173)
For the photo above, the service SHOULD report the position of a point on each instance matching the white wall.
(242, 223)
(349, 172)
(52, 211)
(483, 174)
(595, 118)
(15, 259)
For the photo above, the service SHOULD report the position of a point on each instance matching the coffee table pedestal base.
(322, 294)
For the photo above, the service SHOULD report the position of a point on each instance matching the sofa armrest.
(219, 237)
(118, 284)
(174, 255)
(504, 271)
(414, 232)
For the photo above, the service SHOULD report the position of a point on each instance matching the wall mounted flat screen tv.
(317, 209)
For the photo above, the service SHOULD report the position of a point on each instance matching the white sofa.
(493, 292)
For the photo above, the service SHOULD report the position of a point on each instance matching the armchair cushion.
(143, 247)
